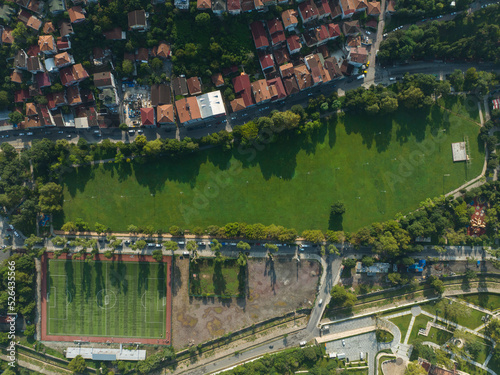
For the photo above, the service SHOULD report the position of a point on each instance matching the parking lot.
(352, 347)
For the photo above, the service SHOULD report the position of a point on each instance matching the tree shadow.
(176, 277)
(374, 130)
(218, 279)
(335, 222)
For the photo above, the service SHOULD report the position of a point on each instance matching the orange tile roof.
(7, 37)
(31, 109)
(238, 104)
(187, 109)
(46, 43)
(261, 91)
(48, 28)
(76, 14)
(289, 17)
(165, 113)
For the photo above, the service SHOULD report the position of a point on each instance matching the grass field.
(487, 300)
(438, 336)
(215, 279)
(420, 322)
(108, 299)
(467, 317)
(367, 162)
(403, 322)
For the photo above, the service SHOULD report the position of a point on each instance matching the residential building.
(211, 104)
(287, 70)
(335, 9)
(293, 43)
(47, 44)
(36, 6)
(332, 66)
(371, 24)
(247, 5)
(276, 89)
(104, 80)
(219, 6)
(258, 5)
(109, 97)
(34, 23)
(63, 59)
(21, 96)
(165, 114)
(373, 8)
(303, 76)
(237, 104)
(243, 89)
(291, 85)
(319, 75)
(73, 74)
(16, 76)
(233, 7)
(194, 85)
(160, 94)
(351, 28)
(31, 110)
(115, 34)
(204, 4)
(276, 31)
(73, 95)
(391, 7)
(353, 41)
(56, 100)
(48, 28)
(281, 56)
(308, 11)
(179, 85)
(63, 43)
(163, 51)
(259, 35)
(333, 31)
(148, 117)
(65, 29)
(290, 20)
(217, 80)
(181, 4)
(21, 60)
(7, 37)
(266, 61)
(188, 111)
(76, 14)
(260, 91)
(42, 80)
(56, 6)
(323, 9)
(358, 56)
(33, 50)
(348, 8)
(137, 20)
(34, 65)
(142, 55)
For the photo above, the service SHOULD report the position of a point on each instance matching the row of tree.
(467, 36)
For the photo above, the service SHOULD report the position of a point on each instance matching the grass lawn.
(208, 277)
(299, 177)
(402, 322)
(467, 317)
(420, 322)
(463, 106)
(485, 350)
(116, 299)
(487, 300)
(438, 336)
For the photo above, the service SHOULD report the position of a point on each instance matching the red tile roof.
(293, 42)
(266, 61)
(333, 30)
(63, 43)
(43, 79)
(21, 95)
(76, 14)
(194, 85)
(148, 116)
(217, 80)
(233, 5)
(56, 99)
(308, 10)
(279, 89)
(259, 35)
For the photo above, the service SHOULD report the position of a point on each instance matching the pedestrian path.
(410, 327)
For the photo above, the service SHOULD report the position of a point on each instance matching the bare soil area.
(273, 288)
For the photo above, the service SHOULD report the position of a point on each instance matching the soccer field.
(106, 299)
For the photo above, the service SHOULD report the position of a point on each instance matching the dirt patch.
(273, 288)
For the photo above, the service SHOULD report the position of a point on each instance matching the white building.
(211, 104)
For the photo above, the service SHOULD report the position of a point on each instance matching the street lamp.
(445, 175)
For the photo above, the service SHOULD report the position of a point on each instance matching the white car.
(29, 133)
(158, 245)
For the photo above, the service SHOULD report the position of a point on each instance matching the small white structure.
(81, 123)
(105, 354)
(211, 104)
(459, 151)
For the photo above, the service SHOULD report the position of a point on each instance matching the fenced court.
(124, 299)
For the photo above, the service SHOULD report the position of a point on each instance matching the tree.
(100, 228)
(123, 127)
(341, 297)
(242, 259)
(158, 255)
(139, 245)
(337, 208)
(171, 245)
(174, 230)
(69, 227)
(16, 117)
(202, 19)
(315, 236)
(30, 330)
(457, 80)
(388, 105)
(349, 262)
(4, 99)
(215, 245)
(395, 278)
(132, 229)
(412, 97)
(243, 246)
(437, 284)
(415, 369)
(192, 246)
(127, 67)
(77, 365)
(367, 261)
(156, 64)
(470, 79)
(50, 197)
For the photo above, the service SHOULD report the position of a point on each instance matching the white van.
(320, 302)
(361, 356)
(362, 76)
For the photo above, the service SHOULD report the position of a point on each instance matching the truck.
(361, 76)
